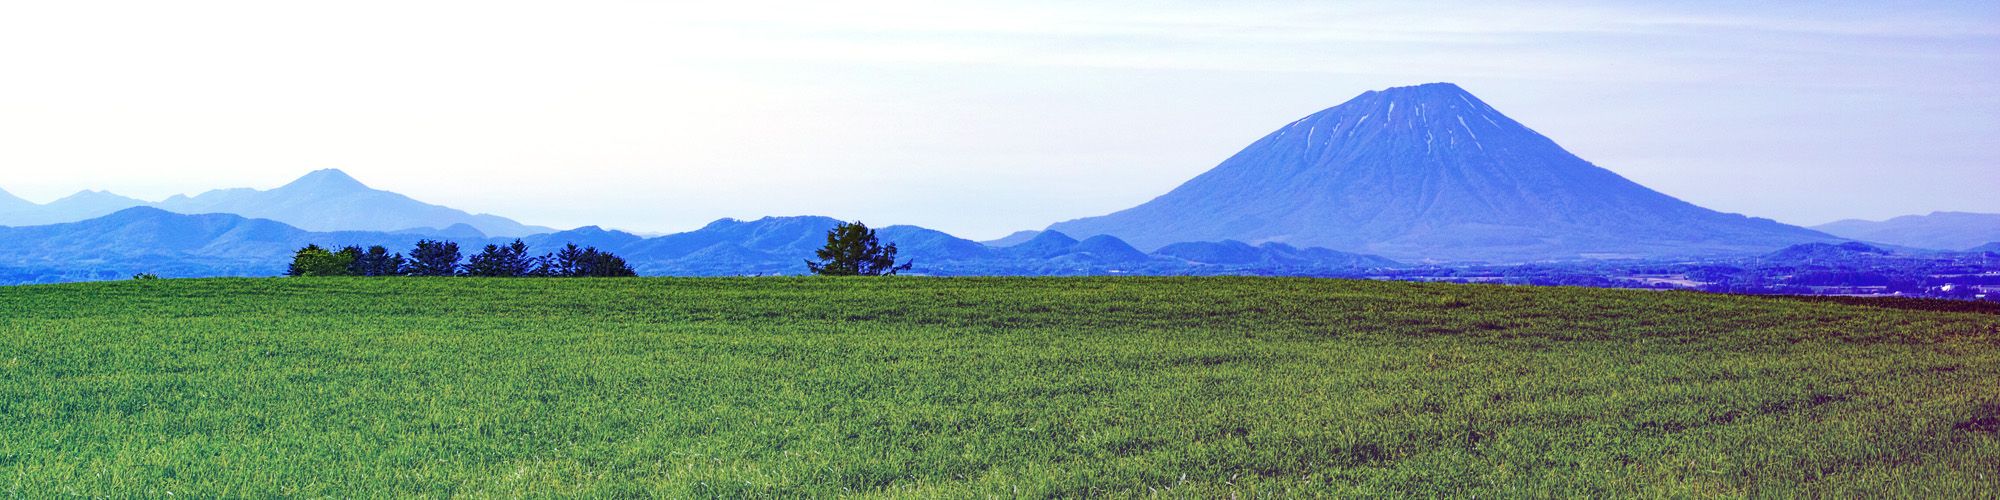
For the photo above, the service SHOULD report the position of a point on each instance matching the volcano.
(1431, 173)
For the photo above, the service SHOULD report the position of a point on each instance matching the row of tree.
(442, 258)
(851, 250)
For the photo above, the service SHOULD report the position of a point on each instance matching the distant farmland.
(928, 387)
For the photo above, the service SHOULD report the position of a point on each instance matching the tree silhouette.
(587, 262)
(853, 250)
(496, 261)
(441, 258)
(375, 261)
(434, 258)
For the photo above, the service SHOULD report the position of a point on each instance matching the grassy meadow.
(929, 387)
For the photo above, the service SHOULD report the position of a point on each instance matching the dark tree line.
(852, 249)
(442, 258)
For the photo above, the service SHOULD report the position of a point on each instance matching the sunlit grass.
(1003, 386)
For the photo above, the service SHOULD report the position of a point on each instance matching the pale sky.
(973, 118)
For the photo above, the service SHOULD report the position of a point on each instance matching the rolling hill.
(1937, 230)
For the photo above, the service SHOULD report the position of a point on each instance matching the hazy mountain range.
(324, 200)
(1431, 173)
(15, 211)
(1939, 230)
(151, 240)
(1419, 174)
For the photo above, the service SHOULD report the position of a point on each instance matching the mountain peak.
(99, 197)
(1424, 89)
(1428, 172)
(1444, 96)
(326, 179)
(89, 193)
(140, 212)
(1428, 125)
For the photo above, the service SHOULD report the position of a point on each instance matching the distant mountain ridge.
(83, 205)
(9, 202)
(1430, 172)
(323, 200)
(330, 200)
(151, 240)
(1936, 230)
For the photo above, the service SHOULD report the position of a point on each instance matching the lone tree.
(853, 250)
(315, 261)
(433, 258)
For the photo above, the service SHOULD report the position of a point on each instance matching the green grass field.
(982, 387)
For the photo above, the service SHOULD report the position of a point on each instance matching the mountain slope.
(795, 236)
(1938, 230)
(151, 240)
(13, 209)
(144, 231)
(1108, 248)
(88, 204)
(75, 207)
(1015, 238)
(914, 243)
(324, 200)
(329, 200)
(1044, 245)
(1430, 173)
(1232, 252)
(10, 203)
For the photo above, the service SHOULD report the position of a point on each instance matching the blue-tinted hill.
(150, 240)
(792, 236)
(1046, 244)
(1937, 231)
(1108, 249)
(330, 200)
(932, 245)
(1016, 238)
(80, 206)
(10, 203)
(324, 200)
